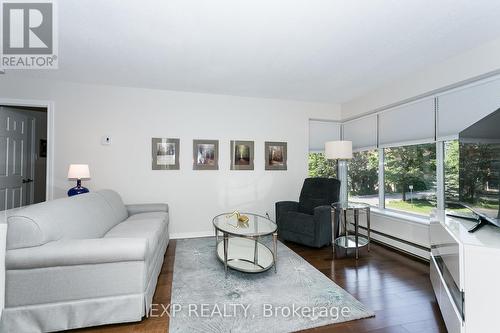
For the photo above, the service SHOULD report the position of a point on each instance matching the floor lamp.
(342, 152)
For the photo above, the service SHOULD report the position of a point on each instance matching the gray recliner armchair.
(308, 221)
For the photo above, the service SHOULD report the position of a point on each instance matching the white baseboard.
(411, 236)
(198, 234)
(401, 246)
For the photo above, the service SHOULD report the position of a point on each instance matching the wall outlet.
(106, 140)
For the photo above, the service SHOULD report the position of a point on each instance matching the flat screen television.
(479, 172)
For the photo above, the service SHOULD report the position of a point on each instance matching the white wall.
(473, 63)
(84, 113)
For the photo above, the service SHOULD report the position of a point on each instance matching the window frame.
(382, 179)
(382, 209)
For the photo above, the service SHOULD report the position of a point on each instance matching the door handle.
(27, 181)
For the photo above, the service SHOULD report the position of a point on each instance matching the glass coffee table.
(241, 248)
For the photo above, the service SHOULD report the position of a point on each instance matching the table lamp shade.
(78, 171)
(338, 150)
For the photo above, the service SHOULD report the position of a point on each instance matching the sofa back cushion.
(84, 216)
(318, 192)
(116, 203)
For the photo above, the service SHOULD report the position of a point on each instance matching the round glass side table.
(345, 240)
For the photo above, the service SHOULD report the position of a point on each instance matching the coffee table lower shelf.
(246, 255)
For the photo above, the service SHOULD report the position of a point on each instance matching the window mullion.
(381, 180)
(440, 196)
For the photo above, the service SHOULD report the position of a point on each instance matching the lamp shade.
(78, 171)
(338, 150)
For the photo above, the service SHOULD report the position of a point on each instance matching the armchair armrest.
(282, 207)
(146, 208)
(78, 252)
(323, 223)
(323, 213)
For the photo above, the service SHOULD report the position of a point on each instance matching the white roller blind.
(410, 123)
(321, 132)
(362, 132)
(462, 108)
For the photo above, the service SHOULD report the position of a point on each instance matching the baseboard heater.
(397, 239)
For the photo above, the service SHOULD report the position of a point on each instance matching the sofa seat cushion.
(299, 223)
(151, 229)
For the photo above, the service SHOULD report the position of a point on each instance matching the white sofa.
(82, 261)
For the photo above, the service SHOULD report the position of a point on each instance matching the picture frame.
(242, 155)
(205, 154)
(165, 153)
(276, 155)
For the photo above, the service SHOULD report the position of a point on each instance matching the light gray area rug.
(296, 297)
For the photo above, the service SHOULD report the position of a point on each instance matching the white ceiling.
(326, 51)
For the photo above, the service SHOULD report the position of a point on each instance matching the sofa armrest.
(146, 208)
(78, 252)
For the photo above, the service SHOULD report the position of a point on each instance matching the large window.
(410, 178)
(477, 184)
(319, 166)
(363, 177)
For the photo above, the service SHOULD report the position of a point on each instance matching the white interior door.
(13, 158)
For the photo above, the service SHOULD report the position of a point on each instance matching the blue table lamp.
(78, 172)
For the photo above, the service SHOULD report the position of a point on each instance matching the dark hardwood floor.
(396, 287)
(393, 285)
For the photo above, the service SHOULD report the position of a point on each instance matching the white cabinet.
(465, 274)
(3, 245)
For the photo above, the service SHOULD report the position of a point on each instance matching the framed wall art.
(275, 155)
(165, 153)
(205, 154)
(242, 154)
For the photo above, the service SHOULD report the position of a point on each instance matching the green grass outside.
(422, 207)
(487, 205)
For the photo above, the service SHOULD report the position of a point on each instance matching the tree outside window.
(363, 177)
(451, 171)
(319, 166)
(410, 178)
